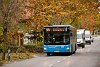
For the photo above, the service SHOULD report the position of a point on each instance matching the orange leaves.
(48, 12)
(39, 25)
(88, 22)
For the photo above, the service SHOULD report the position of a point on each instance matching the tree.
(10, 15)
(63, 12)
(50, 12)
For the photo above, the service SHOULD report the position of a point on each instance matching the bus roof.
(59, 26)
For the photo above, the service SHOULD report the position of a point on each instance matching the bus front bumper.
(56, 48)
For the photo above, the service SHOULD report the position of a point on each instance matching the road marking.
(58, 61)
(50, 65)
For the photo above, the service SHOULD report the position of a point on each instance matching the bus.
(60, 39)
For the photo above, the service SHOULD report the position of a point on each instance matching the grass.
(15, 56)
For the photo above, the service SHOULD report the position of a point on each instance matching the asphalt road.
(86, 57)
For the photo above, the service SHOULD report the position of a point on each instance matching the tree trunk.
(5, 41)
(13, 40)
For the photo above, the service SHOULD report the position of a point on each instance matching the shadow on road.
(88, 53)
(59, 54)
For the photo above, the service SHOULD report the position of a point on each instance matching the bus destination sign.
(55, 29)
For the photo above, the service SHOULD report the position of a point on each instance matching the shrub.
(21, 50)
(17, 49)
(12, 48)
(1, 48)
(1, 63)
(39, 49)
(33, 48)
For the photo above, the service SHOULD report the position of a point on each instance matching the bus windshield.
(56, 38)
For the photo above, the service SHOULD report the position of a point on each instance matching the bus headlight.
(45, 48)
(68, 48)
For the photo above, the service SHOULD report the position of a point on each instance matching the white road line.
(64, 58)
(50, 65)
(58, 61)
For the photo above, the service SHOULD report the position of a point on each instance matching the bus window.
(57, 38)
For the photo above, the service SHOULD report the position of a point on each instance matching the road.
(86, 57)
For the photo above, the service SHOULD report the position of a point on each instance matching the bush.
(1, 63)
(1, 48)
(39, 49)
(33, 48)
(17, 49)
(21, 50)
(12, 48)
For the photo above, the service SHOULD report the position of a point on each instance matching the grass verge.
(15, 57)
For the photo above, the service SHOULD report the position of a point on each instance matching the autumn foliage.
(34, 14)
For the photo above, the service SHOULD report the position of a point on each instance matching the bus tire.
(48, 54)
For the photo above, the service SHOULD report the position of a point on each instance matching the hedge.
(1, 48)
(13, 49)
(23, 49)
(33, 48)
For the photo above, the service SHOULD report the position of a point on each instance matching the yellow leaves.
(49, 16)
(1, 31)
(62, 11)
(89, 22)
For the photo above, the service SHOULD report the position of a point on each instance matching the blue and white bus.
(60, 39)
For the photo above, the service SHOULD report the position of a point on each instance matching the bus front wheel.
(48, 54)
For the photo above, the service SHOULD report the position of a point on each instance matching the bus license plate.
(56, 51)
